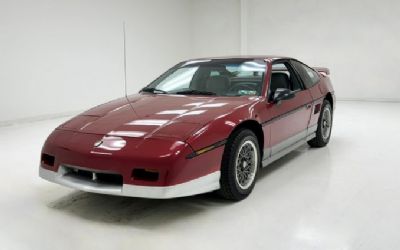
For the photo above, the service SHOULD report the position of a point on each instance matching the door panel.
(286, 121)
(291, 118)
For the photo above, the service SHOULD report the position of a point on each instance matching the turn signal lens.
(48, 160)
(145, 174)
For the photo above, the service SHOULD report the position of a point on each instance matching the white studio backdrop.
(59, 57)
(358, 40)
(66, 56)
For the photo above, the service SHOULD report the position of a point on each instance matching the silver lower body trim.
(312, 129)
(200, 185)
(289, 145)
(288, 142)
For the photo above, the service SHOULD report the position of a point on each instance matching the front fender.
(220, 128)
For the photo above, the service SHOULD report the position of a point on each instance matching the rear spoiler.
(322, 70)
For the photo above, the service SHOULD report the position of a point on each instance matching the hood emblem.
(98, 144)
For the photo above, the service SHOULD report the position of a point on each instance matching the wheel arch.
(329, 98)
(256, 128)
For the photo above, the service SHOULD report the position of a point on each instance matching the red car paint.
(158, 131)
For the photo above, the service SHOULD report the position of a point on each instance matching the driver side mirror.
(282, 94)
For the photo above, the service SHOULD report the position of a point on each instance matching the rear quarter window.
(309, 76)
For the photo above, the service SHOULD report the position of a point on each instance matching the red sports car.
(204, 125)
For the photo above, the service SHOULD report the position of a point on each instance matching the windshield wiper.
(153, 90)
(195, 92)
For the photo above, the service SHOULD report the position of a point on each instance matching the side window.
(312, 74)
(308, 75)
(281, 72)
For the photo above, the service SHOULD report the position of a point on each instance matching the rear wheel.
(324, 129)
(240, 163)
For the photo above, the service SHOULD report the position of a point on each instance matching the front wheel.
(240, 163)
(324, 129)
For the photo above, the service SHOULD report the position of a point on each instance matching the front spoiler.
(200, 185)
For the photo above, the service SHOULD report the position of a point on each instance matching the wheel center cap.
(244, 164)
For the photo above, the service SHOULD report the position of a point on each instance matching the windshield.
(222, 77)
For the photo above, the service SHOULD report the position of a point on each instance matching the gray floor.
(344, 196)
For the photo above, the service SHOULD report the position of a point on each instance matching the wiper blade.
(153, 90)
(195, 92)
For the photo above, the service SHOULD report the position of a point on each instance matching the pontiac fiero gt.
(204, 125)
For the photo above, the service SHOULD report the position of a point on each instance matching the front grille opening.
(101, 178)
(109, 178)
(81, 173)
(144, 174)
(48, 160)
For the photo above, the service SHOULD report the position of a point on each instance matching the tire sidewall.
(325, 105)
(242, 137)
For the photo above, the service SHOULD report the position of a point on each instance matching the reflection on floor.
(344, 196)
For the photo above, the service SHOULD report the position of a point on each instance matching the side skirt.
(287, 150)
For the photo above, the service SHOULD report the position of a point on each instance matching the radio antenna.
(125, 83)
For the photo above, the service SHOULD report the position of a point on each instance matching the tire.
(324, 129)
(240, 164)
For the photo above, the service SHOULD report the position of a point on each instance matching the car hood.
(151, 115)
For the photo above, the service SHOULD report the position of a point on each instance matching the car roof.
(255, 57)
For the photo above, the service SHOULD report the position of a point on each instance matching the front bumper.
(204, 184)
